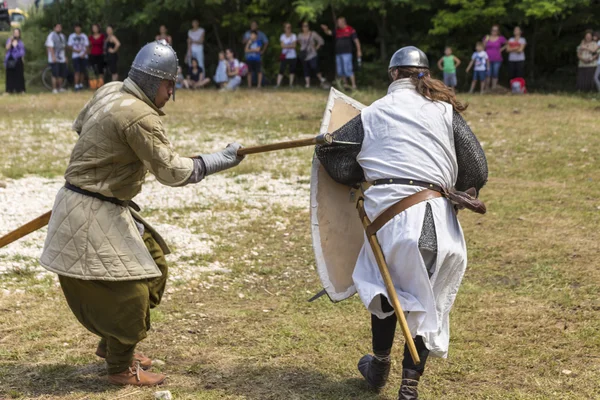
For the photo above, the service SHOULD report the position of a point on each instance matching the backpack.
(517, 86)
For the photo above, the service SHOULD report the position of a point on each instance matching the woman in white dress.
(412, 139)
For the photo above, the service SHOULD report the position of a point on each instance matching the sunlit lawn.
(526, 324)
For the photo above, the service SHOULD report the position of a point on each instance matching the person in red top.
(97, 50)
(345, 37)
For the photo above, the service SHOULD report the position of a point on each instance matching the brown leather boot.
(136, 376)
(408, 389)
(145, 362)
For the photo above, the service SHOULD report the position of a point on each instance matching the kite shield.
(337, 233)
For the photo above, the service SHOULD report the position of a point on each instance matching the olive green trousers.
(118, 312)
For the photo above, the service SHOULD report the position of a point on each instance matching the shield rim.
(334, 94)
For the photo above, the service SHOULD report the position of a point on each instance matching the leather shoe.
(136, 376)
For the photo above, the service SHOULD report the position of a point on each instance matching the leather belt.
(399, 207)
(409, 182)
(114, 200)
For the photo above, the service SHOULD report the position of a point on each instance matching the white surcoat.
(409, 136)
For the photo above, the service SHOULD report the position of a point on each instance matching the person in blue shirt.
(261, 36)
(253, 58)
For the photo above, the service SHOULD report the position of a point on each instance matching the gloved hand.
(222, 160)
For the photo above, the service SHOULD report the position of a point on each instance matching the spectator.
(345, 35)
(516, 54)
(587, 52)
(112, 45)
(261, 36)
(233, 71)
(597, 74)
(13, 62)
(196, 44)
(96, 40)
(310, 43)
(196, 78)
(253, 58)
(220, 77)
(448, 64)
(181, 82)
(494, 45)
(163, 34)
(288, 58)
(55, 45)
(482, 63)
(79, 43)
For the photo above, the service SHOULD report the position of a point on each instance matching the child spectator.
(233, 71)
(78, 43)
(181, 83)
(220, 77)
(448, 63)
(196, 79)
(482, 63)
(253, 58)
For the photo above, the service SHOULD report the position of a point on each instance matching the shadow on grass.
(257, 382)
(33, 380)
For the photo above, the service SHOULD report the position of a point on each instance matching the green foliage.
(310, 9)
(543, 9)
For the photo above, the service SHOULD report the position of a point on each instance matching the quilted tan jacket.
(121, 139)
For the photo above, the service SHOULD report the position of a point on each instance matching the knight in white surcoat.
(414, 139)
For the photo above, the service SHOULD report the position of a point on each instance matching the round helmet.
(153, 63)
(157, 59)
(409, 56)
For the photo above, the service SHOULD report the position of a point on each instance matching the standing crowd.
(92, 54)
(487, 59)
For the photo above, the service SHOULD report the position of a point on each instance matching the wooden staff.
(42, 220)
(389, 284)
(321, 139)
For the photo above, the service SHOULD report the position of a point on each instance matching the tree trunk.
(217, 36)
(334, 18)
(382, 28)
(532, 52)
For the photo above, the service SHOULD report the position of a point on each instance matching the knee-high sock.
(407, 362)
(384, 331)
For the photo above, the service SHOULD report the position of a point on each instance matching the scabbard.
(387, 279)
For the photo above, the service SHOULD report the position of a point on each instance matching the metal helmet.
(409, 56)
(157, 59)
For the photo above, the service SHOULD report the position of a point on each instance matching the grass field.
(235, 323)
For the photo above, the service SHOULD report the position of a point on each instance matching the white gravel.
(26, 198)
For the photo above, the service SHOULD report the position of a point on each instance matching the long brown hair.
(431, 88)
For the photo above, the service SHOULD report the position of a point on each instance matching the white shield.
(337, 232)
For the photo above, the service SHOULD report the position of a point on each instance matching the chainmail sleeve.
(340, 160)
(472, 164)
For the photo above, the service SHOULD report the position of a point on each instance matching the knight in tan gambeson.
(110, 262)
